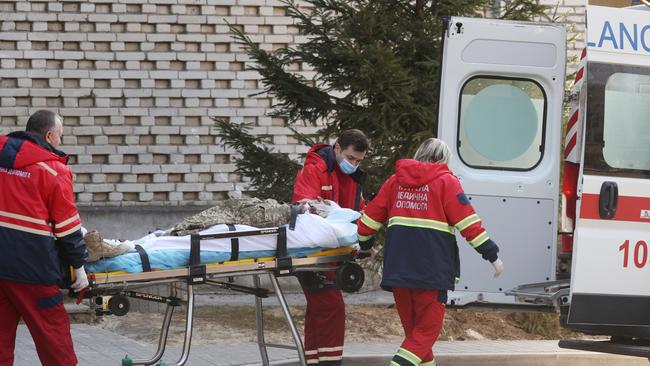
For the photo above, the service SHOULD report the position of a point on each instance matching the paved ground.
(99, 347)
(293, 299)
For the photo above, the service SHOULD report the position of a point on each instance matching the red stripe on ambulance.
(629, 208)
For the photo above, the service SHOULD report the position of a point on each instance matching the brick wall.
(137, 82)
(572, 13)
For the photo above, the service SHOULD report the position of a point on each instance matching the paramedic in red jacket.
(332, 173)
(39, 224)
(421, 205)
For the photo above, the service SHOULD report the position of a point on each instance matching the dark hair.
(353, 137)
(41, 122)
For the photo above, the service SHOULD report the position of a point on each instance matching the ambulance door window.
(502, 123)
(618, 120)
(626, 127)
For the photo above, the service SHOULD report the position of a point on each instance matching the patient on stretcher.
(312, 233)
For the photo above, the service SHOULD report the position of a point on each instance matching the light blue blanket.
(170, 259)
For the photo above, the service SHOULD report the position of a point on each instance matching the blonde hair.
(433, 150)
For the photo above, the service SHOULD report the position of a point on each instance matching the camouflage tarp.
(244, 211)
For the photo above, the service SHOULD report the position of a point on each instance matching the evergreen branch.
(523, 10)
(309, 140)
(298, 101)
(271, 174)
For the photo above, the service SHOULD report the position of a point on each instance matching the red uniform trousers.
(324, 327)
(422, 315)
(41, 307)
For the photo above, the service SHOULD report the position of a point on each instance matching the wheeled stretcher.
(109, 292)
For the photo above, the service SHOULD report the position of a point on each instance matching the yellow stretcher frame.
(249, 264)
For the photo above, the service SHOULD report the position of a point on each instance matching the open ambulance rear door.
(610, 283)
(501, 97)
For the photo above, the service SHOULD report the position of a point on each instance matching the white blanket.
(311, 231)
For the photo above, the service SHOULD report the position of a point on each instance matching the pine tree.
(377, 69)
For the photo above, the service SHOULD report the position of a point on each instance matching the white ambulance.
(501, 107)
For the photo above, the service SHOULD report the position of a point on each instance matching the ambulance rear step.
(551, 293)
(638, 348)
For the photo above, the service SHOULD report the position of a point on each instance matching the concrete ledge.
(133, 222)
(79, 313)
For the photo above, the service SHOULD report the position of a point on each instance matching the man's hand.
(322, 208)
(81, 280)
(366, 248)
(498, 267)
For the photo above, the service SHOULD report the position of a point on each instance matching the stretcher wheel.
(119, 305)
(350, 277)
